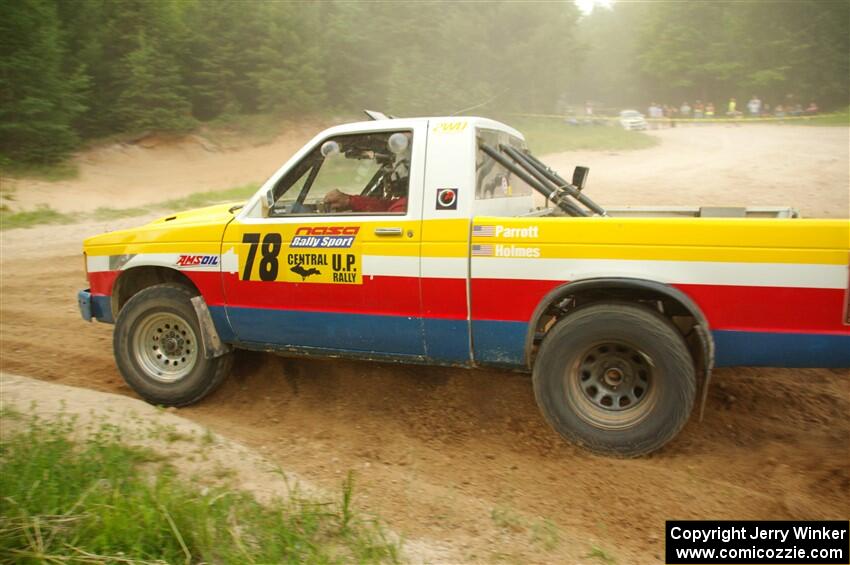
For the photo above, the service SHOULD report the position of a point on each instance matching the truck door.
(332, 262)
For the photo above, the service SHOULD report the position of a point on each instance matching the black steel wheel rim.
(612, 384)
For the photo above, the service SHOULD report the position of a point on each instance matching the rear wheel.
(615, 378)
(158, 348)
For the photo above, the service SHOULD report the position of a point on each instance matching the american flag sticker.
(482, 250)
(483, 231)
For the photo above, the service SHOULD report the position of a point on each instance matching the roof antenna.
(481, 104)
(376, 115)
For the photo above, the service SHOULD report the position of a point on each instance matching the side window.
(492, 179)
(349, 174)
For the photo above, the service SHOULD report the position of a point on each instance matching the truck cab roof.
(472, 122)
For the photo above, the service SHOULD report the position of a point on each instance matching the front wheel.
(159, 351)
(615, 378)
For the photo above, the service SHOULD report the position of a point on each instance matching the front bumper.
(94, 306)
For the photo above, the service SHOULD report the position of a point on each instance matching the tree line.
(72, 70)
(672, 52)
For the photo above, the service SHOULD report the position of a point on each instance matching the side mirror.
(269, 199)
(580, 177)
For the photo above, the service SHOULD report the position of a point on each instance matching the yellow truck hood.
(197, 226)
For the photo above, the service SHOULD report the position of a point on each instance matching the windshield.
(349, 174)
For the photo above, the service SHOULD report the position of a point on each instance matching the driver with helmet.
(396, 202)
(395, 187)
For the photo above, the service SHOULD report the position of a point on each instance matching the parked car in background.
(632, 119)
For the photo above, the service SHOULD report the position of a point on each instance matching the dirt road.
(463, 457)
(723, 165)
(154, 169)
(800, 166)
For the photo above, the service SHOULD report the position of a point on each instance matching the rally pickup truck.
(444, 241)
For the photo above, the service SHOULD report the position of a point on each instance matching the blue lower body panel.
(494, 343)
(95, 307)
(328, 330)
(499, 343)
(447, 341)
(769, 349)
(503, 343)
(443, 341)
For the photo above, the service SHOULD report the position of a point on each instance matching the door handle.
(388, 231)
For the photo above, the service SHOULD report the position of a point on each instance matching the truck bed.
(702, 212)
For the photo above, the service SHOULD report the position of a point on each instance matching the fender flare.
(213, 346)
(701, 327)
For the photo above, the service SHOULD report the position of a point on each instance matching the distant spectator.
(685, 110)
(779, 111)
(732, 108)
(655, 113)
(699, 109)
(588, 109)
(765, 109)
(796, 110)
(709, 110)
(754, 106)
(670, 114)
(811, 109)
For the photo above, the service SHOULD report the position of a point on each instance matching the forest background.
(77, 70)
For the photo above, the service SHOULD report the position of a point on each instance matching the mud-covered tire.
(158, 348)
(616, 378)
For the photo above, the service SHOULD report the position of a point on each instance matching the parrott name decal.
(529, 232)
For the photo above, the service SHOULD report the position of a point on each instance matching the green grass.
(601, 555)
(551, 135)
(41, 215)
(99, 500)
(104, 213)
(544, 136)
(64, 170)
(260, 129)
(200, 199)
(839, 118)
(46, 215)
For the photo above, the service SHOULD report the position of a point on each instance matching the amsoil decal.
(325, 237)
(312, 260)
(197, 261)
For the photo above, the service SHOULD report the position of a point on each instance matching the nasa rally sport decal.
(315, 254)
(446, 199)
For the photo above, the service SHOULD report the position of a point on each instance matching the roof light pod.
(398, 143)
(329, 149)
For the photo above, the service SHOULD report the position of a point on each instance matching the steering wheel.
(303, 208)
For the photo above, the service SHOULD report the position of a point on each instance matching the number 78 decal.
(300, 265)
